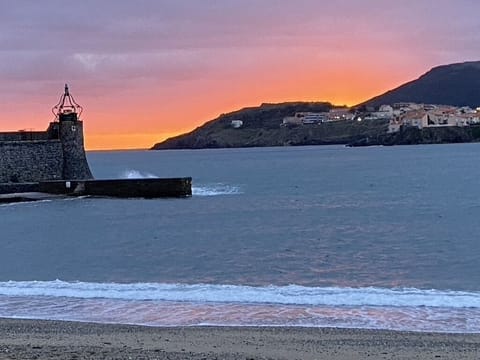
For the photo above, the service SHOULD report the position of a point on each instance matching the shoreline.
(28, 339)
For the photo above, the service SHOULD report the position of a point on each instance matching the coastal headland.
(35, 339)
(441, 106)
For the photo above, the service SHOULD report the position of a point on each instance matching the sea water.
(379, 237)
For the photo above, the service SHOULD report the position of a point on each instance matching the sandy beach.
(32, 339)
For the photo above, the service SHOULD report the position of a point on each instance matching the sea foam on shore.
(157, 304)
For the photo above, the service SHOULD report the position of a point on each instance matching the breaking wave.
(135, 174)
(215, 189)
(157, 304)
(205, 293)
(202, 190)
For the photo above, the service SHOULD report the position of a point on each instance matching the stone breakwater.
(121, 188)
(145, 188)
(54, 162)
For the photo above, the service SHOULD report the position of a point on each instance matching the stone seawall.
(12, 188)
(30, 161)
(55, 154)
(25, 136)
(121, 188)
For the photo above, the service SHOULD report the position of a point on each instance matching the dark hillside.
(455, 84)
(261, 127)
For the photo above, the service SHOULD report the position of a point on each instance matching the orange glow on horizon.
(148, 73)
(138, 120)
(124, 141)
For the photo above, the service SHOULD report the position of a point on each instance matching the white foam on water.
(203, 304)
(215, 190)
(164, 313)
(135, 174)
(209, 293)
(28, 202)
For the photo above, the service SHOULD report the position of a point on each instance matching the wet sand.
(32, 339)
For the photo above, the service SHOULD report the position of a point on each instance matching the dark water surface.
(361, 219)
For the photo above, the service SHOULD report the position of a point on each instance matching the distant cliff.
(261, 127)
(454, 84)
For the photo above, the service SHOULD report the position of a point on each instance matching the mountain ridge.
(456, 84)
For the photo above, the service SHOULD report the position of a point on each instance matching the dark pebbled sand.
(32, 339)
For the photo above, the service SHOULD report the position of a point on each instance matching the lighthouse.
(70, 132)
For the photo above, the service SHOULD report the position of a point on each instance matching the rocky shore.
(426, 136)
(33, 339)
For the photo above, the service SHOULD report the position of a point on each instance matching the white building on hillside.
(305, 118)
(236, 124)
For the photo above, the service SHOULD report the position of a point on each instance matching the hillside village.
(398, 115)
(425, 116)
(406, 116)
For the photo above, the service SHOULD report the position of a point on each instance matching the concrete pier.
(123, 188)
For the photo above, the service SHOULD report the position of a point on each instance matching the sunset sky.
(145, 70)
